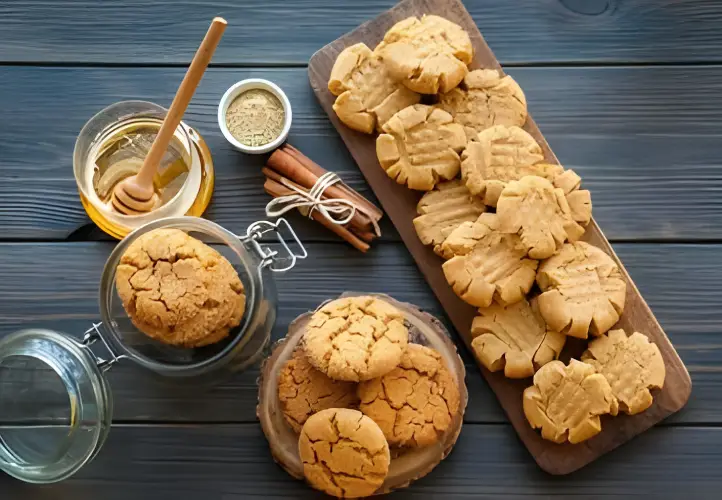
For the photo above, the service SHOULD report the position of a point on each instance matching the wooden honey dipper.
(136, 195)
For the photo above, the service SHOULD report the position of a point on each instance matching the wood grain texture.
(681, 283)
(646, 140)
(400, 206)
(233, 463)
(521, 32)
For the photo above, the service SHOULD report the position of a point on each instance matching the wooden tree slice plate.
(407, 465)
(400, 205)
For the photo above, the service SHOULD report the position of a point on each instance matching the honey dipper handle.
(180, 102)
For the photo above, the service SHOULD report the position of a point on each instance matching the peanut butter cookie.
(420, 147)
(367, 96)
(303, 391)
(566, 401)
(487, 264)
(444, 209)
(485, 98)
(533, 208)
(356, 338)
(179, 290)
(632, 366)
(415, 403)
(428, 55)
(514, 338)
(344, 453)
(583, 290)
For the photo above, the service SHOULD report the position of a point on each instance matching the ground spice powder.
(255, 117)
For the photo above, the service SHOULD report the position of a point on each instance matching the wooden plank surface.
(680, 282)
(647, 142)
(400, 205)
(289, 31)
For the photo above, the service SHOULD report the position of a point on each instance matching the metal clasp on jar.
(91, 336)
(276, 261)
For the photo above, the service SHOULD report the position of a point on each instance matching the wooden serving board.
(400, 205)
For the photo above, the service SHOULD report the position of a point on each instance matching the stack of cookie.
(503, 220)
(356, 390)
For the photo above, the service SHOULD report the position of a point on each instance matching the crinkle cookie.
(303, 391)
(356, 338)
(484, 99)
(514, 338)
(487, 264)
(366, 95)
(539, 213)
(415, 403)
(178, 290)
(344, 453)
(632, 365)
(428, 55)
(583, 290)
(420, 147)
(444, 209)
(566, 401)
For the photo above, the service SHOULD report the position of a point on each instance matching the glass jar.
(55, 402)
(111, 146)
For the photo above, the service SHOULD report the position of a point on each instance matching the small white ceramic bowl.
(235, 91)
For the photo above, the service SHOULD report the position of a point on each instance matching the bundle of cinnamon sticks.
(287, 166)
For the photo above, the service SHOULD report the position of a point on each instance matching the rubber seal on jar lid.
(55, 405)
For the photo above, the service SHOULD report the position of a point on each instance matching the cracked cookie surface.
(356, 338)
(566, 401)
(415, 403)
(420, 147)
(486, 264)
(303, 391)
(583, 290)
(178, 290)
(514, 338)
(632, 365)
(428, 55)
(344, 453)
(367, 96)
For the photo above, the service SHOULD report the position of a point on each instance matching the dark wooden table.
(628, 93)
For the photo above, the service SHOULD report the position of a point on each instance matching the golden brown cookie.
(367, 96)
(179, 290)
(415, 403)
(486, 264)
(583, 290)
(356, 338)
(632, 365)
(514, 338)
(344, 453)
(444, 209)
(484, 99)
(566, 401)
(420, 147)
(428, 55)
(303, 391)
(533, 208)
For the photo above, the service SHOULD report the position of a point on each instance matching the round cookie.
(486, 264)
(514, 338)
(428, 55)
(415, 403)
(566, 401)
(366, 95)
(356, 338)
(420, 147)
(484, 99)
(533, 208)
(344, 453)
(632, 366)
(583, 290)
(303, 391)
(178, 290)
